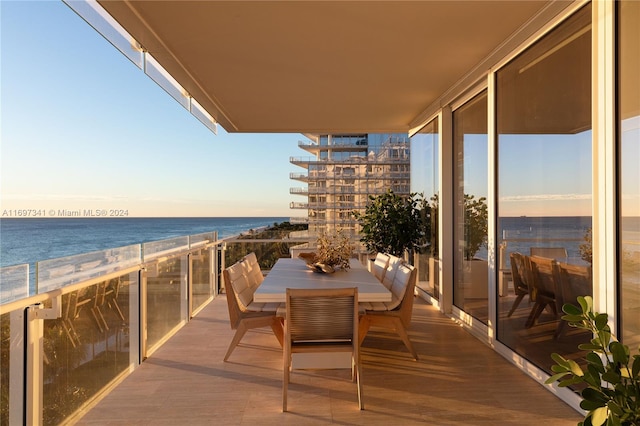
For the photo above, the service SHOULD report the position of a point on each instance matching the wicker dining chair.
(379, 265)
(321, 321)
(244, 314)
(394, 315)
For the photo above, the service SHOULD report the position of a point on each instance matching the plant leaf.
(599, 416)
(611, 377)
(555, 377)
(635, 369)
(620, 352)
(594, 395)
(575, 368)
(590, 405)
(572, 310)
(601, 321)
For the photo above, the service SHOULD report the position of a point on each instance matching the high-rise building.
(343, 171)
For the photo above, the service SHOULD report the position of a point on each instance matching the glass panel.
(158, 74)
(470, 291)
(160, 248)
(200, 239)
(5, 362)
(104, 24)
(201, 285)
(15, 282)
(56, 273)
(88, 346)
(166, 297)
(544, 188)
(424, 180)
(629, 107)
(203, 116)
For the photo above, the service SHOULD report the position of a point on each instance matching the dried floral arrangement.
(333, 250)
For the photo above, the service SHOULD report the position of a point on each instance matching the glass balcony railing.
(93, 318)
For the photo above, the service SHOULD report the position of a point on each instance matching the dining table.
(294, 273)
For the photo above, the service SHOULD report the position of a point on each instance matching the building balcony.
(87, 333)
(337, 147)
(306, 161)
(303, 177)
(298, 220)
(187, 382)
(294, 205)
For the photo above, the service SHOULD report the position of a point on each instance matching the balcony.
(99, 314)
(186, 381)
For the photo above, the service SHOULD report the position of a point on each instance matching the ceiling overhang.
(320, 66)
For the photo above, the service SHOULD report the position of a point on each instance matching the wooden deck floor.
(458, 381)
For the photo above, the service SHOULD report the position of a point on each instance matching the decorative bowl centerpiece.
(333, 251)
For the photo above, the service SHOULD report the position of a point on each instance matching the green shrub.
(612, 375)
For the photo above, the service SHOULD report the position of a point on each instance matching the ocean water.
(32, 240)
(521, 233)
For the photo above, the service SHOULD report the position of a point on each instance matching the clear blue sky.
(83, 128)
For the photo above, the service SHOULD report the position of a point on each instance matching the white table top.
(294, 273)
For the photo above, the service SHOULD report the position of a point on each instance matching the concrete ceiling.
(320, 66)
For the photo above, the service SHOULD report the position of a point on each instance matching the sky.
(85, 130)
(82, 128)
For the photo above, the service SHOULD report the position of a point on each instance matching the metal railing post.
(35, 356)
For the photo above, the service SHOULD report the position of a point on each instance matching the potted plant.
(475, 225)
(612, 376)
(475, 271)
(394, 224)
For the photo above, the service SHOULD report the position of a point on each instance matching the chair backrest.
(573, 281)
(390, 273)
(550, 252)
(235, 312)
(253, 271)
(406, 275)
(322, 316)
(242, 279)
(542, 277)
(379, 266)
(518, 272)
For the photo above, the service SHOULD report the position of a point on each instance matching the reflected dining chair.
(544, 287)
(557, 253)
(321, 321)
(394, 315)
(520, 280)
(573, 281)
(241, 281)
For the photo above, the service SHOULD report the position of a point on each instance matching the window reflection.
(424, 180)
(544, 190)
(470, 212)
(87, 347)
(629, 106)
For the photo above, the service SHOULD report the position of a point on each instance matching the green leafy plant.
(392, 223)
(475, 225)
(585, 248)
(612, 375)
